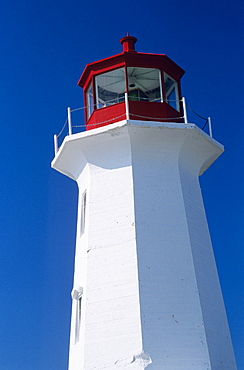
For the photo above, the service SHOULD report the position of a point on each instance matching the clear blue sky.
(44, 48)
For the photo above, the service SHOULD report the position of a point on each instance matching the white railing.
(70, 127)
(184, 110)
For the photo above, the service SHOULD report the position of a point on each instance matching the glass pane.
(171, 98)
(171, 91)
(144, 84)
(90, 101)
(110, 87)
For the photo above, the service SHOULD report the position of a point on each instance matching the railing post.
(127, 107)
(69, 121)
(210, 127)
(184, 110)
(55, 139)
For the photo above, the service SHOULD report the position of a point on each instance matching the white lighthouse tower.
(146, 291)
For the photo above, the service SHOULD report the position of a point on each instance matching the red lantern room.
(132, 85)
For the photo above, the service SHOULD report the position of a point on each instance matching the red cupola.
(131, 85)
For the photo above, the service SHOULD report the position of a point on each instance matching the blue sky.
(45, 46)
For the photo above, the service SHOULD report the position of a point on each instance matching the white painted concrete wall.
(145, 262)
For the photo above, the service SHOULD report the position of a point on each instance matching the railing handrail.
(127, 116)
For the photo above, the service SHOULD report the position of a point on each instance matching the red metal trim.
(160, 61)
(128, 43)
(99, 66)
(106, 115)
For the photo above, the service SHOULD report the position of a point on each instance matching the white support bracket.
(127, 107)
(69, 121)
(184, 110)
(55, 139)
(210, 127)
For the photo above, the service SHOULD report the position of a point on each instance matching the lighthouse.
(146, 292)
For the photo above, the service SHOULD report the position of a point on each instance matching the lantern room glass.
(110, 88)
(90, 101)
(171, 92)
(144, 84)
